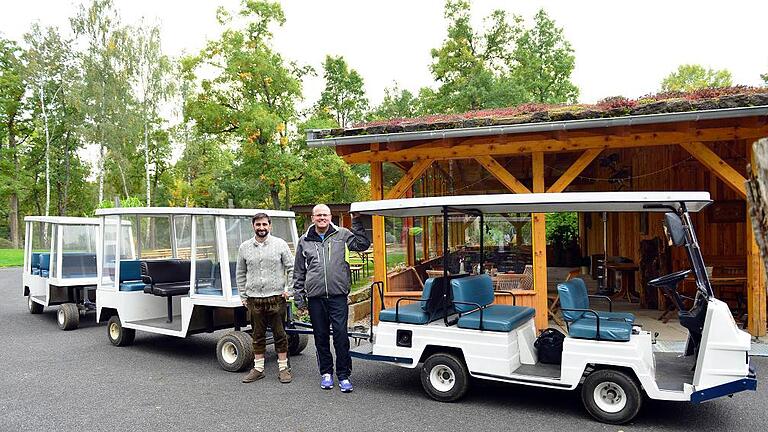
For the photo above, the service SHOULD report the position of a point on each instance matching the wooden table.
(626, 272)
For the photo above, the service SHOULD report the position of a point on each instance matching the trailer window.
(109, 241)
(207, 267)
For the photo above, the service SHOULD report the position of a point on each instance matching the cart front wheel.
(34, 307)
(611, 396)
(297, 343)
(68, 316)
(117, 334)
(235, 351)
(444, 377)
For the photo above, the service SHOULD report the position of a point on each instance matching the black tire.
(296, 343)
(117, 334)
(34, 308)
(68, 316)
(235, 351)
(444, 377)
(611, 396)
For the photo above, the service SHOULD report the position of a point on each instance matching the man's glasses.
(321, 215)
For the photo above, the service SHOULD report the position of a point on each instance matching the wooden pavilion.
(699, 142)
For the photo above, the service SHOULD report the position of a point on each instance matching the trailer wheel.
(296, 343)
(444, 377)
(34, 307)
(235, 351)
(117, 334)
(611, 396)
(68, 316)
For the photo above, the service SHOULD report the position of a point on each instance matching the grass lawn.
(11, 257)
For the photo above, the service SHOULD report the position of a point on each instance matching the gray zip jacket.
(322, 265)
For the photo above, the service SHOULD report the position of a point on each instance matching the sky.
(622, 47)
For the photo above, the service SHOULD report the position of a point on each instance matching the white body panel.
(722, 353)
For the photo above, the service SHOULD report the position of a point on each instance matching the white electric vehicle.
(171, 271)
(454, 332)
(60, 266)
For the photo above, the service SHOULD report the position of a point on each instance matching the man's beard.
(261, 233)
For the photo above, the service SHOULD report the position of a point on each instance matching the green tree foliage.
(690, 77)
(764, 77)
(543, 63)
(505, 64)
(397, 103)
(250, 102)
(13, 130)
(344, 95)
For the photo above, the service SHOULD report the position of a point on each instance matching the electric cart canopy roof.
(63, 220)
(190, 211)
(536, 203)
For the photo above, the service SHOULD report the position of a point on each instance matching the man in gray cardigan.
(322, 276)
(264, 280)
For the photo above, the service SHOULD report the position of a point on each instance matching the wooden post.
(379, 240)
(756, 294)
(539, 247)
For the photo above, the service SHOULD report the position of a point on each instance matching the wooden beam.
(574, 170)
(756, 294)
(411, 176)
(719, 167)
(539, 237)
(502, 174)
(501, 145)
(379, 239)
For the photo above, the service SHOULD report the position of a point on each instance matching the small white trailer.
(60, 256)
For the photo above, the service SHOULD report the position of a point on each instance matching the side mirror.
(673, 228)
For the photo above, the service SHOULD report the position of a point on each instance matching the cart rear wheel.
(34, 307)
(117, 334)
(235, 351)
(68, 316)
(296, 343)
(611, 396)
(444, 377)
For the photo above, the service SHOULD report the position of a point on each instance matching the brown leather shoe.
(285, 376)
(253, 375)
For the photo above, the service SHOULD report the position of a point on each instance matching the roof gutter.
(313, 141)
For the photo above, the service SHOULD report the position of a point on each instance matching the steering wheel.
(669, 279)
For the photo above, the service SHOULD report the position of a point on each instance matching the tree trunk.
(122, 178)
(274, 192)
(146, 159)
(47, 155)
(65, 198)
(757, 196)
(13, 199)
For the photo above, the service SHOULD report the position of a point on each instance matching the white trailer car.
(60, 266)
(148, 279)
(455, 332)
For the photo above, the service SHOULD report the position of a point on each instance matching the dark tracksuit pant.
(326, 313)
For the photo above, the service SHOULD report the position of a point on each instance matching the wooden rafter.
(411, 176)
(574, 170)
(719, 167)
(500, 145)
(502, 174)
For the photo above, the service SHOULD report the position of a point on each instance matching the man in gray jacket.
(322, 276)
(264, 275)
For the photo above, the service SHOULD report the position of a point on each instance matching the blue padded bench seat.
(502, 318)
(614, 326)
(214, 291)
(473, 291)
(413, 312)
(586, 328)
(130, 276)
(45, 264)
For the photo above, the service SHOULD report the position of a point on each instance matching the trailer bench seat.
(473, 298)
(586, 323)
(45, 264)
(422, 310)
(166, 278)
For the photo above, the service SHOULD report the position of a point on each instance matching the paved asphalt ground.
(77, 381)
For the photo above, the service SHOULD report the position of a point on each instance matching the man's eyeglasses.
(321, 215)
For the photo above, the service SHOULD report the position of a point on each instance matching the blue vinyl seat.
(130, 276)
(473, 298)
(420, 310)
(586, 323)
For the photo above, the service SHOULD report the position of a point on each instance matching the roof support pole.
(539, 247)
(379, 243)
(574, 170)
(756, 294)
